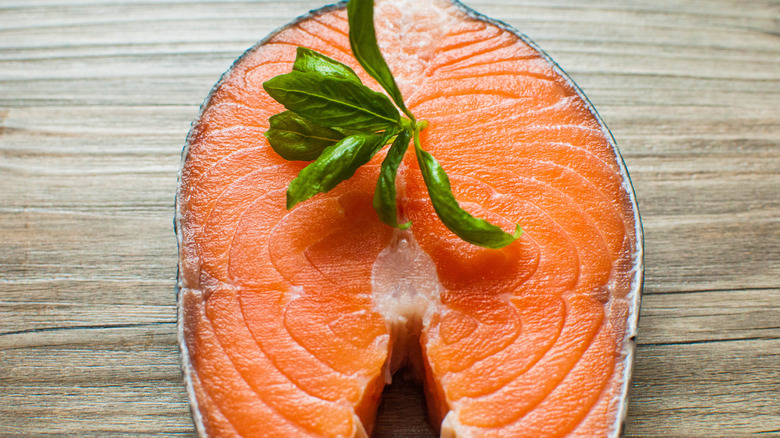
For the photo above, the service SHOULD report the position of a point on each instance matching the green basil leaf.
(385, 193)
(336, 164)
(362, 39)
(332, 102)
(298, 139)
(467, 227)
(308, 60)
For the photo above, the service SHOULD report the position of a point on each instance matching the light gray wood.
(96, 98)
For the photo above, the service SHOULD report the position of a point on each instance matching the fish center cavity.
(406, 293)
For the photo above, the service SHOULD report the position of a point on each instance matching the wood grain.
(96, 97)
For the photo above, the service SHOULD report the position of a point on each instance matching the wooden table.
(96, 97)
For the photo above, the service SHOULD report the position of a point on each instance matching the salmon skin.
(292, 322)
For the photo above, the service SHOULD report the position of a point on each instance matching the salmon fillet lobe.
(292, 322)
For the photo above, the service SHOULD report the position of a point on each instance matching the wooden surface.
(96, 97)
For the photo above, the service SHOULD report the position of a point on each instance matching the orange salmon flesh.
(292, 322)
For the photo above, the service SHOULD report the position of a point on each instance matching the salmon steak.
(291, 322)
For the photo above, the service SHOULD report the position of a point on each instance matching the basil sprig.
(335, 120)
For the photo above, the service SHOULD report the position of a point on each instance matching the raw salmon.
(291, 322)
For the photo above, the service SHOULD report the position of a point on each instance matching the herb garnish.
(335, 120)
